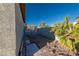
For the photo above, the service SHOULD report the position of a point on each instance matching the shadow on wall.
(36, 40)
(19, 27)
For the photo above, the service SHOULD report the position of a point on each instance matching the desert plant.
(68, 34)
(42, 25)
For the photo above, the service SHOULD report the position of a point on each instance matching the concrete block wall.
(11, 29)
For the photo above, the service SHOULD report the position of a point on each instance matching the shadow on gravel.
(38, 38)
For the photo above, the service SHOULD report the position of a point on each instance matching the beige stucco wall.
(11, 26)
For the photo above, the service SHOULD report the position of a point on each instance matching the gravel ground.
(47, 47)
(53, 49)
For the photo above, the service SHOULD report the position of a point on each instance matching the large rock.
(31, 49)
(31, 34)
(46, 33)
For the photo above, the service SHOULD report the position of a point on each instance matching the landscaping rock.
(53, 49)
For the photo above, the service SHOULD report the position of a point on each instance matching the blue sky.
(50, 13)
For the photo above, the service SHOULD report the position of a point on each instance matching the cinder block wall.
(19, 27)
(11, 29)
